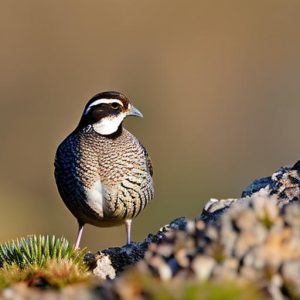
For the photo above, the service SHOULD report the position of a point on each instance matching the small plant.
(37, 250)
(46, 259)
(11, 274)
(60, 273)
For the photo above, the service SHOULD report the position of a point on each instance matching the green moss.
(267, 221)
(37, 251)
(220, 291)
(60, 273)
(136, 284)
(42, 261)
(10, 274)
(217, 252)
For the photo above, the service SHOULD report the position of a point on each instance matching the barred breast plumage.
(104, 179)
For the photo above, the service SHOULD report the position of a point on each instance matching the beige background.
(217, 81)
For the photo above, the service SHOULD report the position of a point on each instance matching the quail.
(103, 173)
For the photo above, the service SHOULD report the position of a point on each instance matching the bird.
(102, 171)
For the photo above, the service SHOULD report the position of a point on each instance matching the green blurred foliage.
(217, 81)
(134, 285)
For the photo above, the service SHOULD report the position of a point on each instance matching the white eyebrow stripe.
(100, 101)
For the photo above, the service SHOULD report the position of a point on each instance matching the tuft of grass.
(42, 261)
(37, 251)
(60, 273)
(10, 274)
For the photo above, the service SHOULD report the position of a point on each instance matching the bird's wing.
(149, 161)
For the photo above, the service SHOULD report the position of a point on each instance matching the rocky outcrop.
(255, 238)
(254, 241)
(284, 183)
(110, 262)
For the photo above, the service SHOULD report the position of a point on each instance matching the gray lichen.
(255, 238)
(254, 241)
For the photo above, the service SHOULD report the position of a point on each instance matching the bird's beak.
(134, 112)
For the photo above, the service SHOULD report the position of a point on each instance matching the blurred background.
(217, 81)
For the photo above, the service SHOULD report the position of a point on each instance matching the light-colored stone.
(104, 268)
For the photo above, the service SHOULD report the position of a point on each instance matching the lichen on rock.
(255, 238)
(254, 241)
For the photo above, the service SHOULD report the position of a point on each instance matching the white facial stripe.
(109, 125)
(100, 101)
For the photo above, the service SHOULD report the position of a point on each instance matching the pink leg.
(128, 230)
(79, 234)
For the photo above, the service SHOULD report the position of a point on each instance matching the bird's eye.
(115, 105)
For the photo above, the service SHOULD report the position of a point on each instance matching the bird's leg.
(128, 230)
(79, 234)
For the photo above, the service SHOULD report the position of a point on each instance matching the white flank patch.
(100, 101)
(109, 125)
(95, 197)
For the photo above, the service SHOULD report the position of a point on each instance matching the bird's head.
(106, 111)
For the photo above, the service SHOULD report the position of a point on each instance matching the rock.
(215, 208)
(256, 186)
(291, 276)
(110, 262)
(202, 266)
(20, 291)
(104, 268)
(285, 183)
(255, 238)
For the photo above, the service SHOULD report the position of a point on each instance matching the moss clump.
(59, 273)
(37, 251)
(42, 261)
(10, 274)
